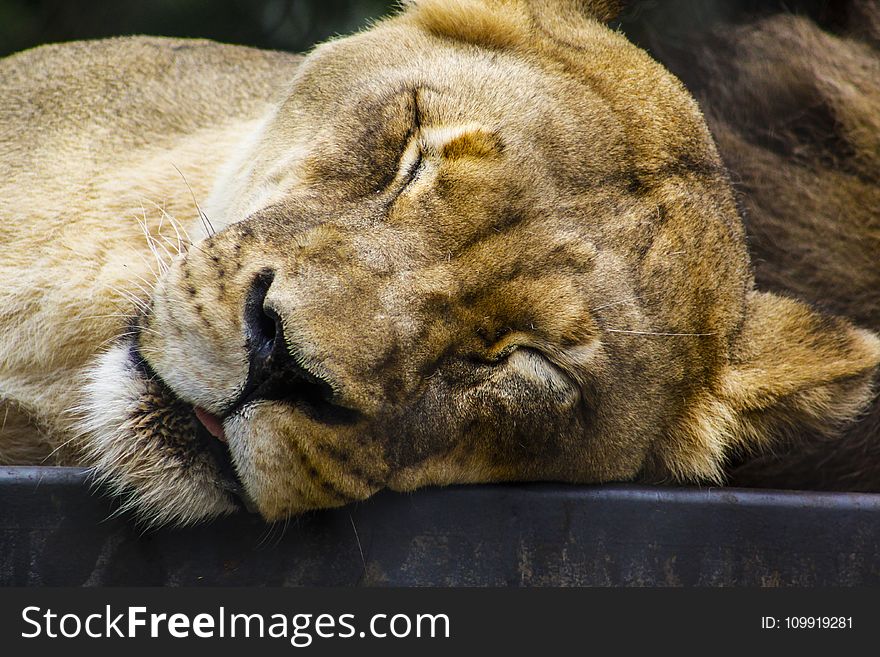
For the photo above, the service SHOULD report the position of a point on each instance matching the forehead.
(350, 113)
(352, 105)
(458, 83)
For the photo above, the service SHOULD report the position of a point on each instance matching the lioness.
(484, 240)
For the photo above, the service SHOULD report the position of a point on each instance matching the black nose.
(273, 373)
(264, 333)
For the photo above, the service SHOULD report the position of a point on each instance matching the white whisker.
(209, 228)
(358, 539)
(177, 227)
(614, 303)
(149, 284)
(165, 249)
(658, 333)
(146, 231)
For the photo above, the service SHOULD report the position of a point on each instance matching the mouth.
(148, 450)
(176, 461)
(212, 437)
(218, 448)
(211, 422)
(208, 436)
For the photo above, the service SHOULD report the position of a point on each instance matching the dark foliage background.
(298, 24)
(282, 24)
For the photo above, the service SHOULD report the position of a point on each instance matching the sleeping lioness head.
(481, 241)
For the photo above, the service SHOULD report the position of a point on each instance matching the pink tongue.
(212, 423)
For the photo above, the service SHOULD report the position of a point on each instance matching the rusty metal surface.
(54, 532)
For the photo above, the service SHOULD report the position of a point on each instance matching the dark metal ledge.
(54, 532)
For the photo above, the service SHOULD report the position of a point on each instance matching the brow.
(475, 143)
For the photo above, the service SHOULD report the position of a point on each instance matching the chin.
(148, 448)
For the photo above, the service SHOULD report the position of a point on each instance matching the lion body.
(102, 142)
(151, 189)
(803, 147)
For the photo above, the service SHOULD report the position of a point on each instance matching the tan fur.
(498, 240)
(802, 140)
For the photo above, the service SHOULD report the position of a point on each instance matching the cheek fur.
(142, 447)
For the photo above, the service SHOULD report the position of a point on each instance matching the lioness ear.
(793, 371)
(506, 23)
(603, 10)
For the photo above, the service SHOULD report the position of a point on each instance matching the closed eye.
(506, 342)
(414, 167)
(411, 162)
(412, 156)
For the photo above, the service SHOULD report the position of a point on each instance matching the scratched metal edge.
(54, 531)
(79, 477)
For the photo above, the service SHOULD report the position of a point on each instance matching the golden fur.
(485, 240)
(802, 142)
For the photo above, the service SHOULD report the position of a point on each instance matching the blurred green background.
(283, 24)
(296, 25)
